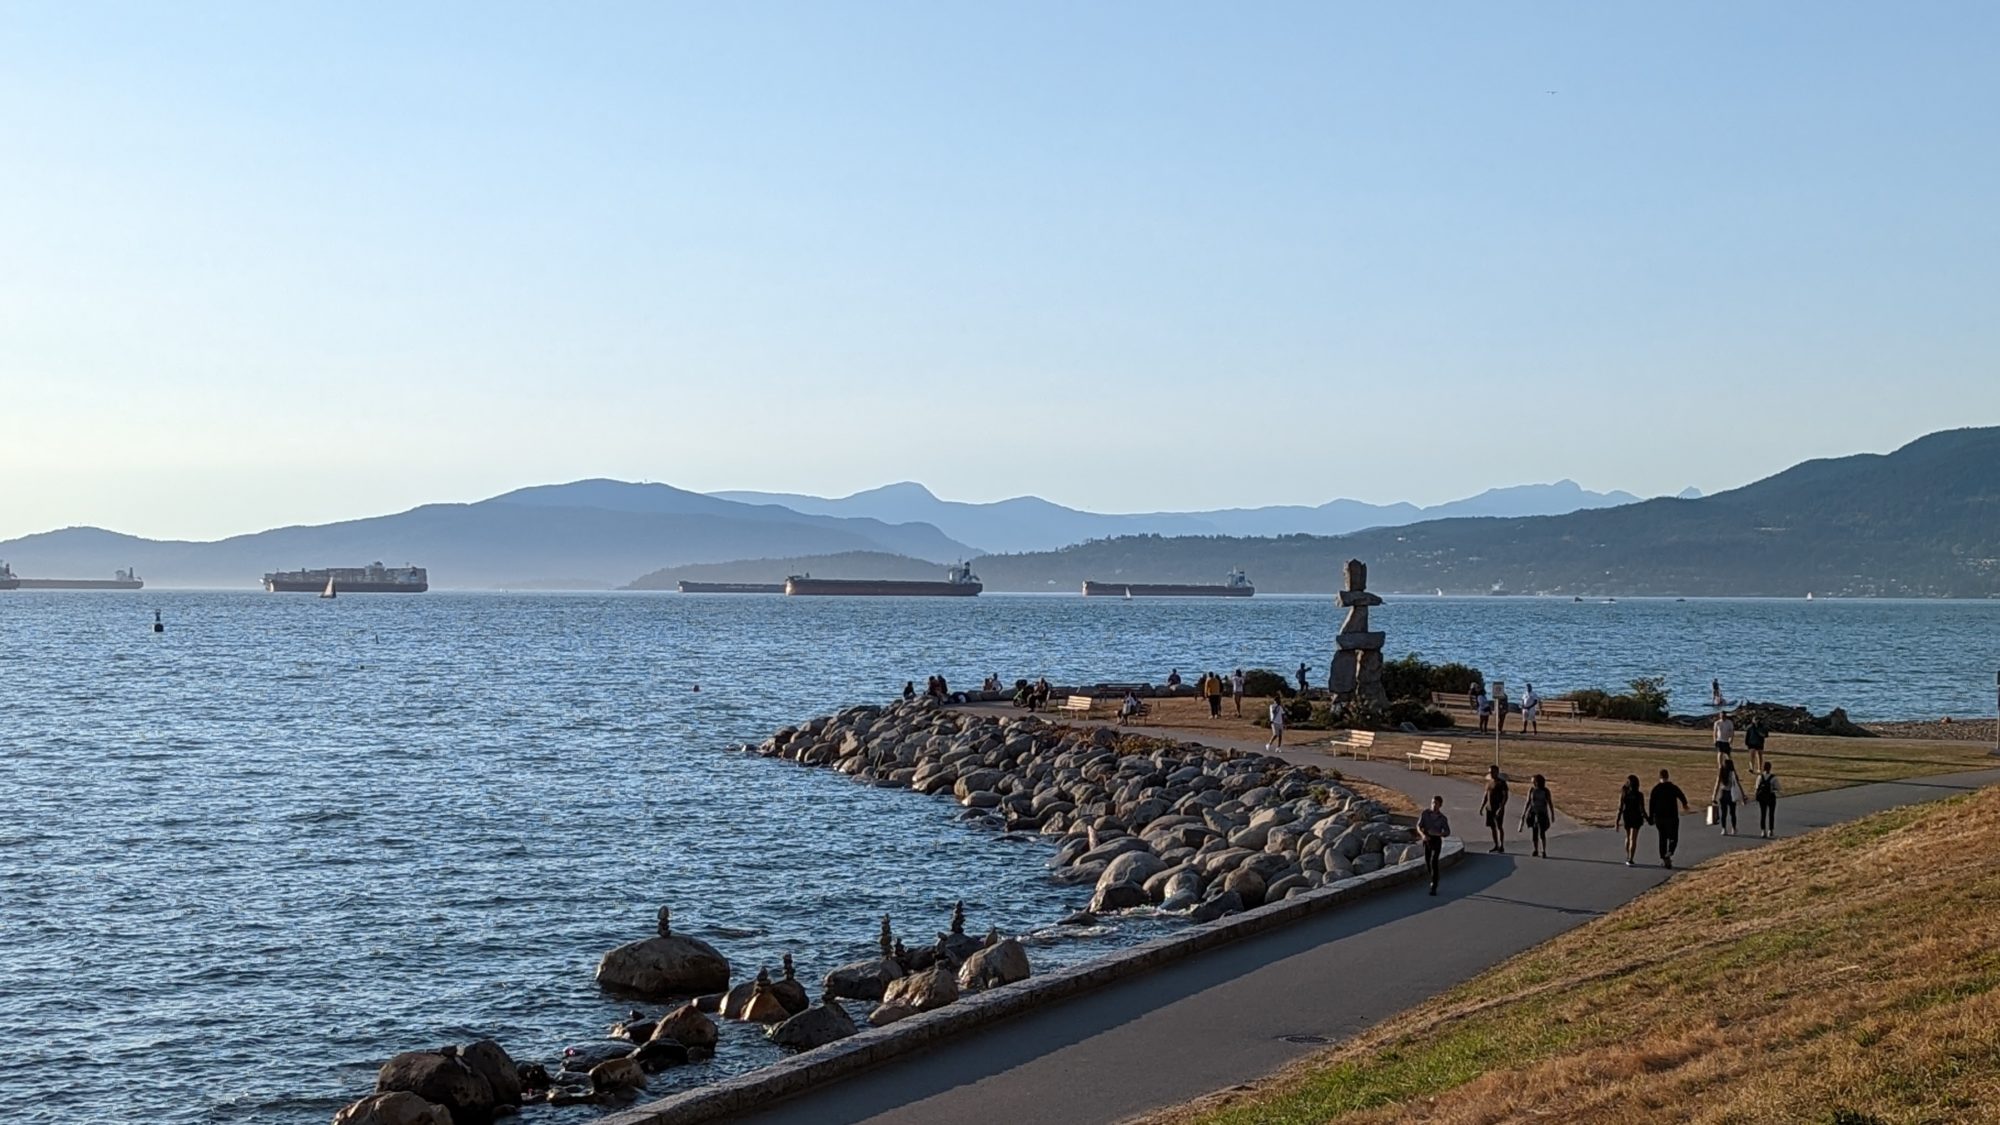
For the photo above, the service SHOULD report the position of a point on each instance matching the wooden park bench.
(1354, 743)
(1433, 756)
(1081, 704)
(1560, 709)
(1460, 700)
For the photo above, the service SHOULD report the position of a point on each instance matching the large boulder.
(817, 1026)
(933, 988)
(491, 1062)
(668, 965)
(1003, 962)
(1114, 897)
(1245, 884)
(688, 1027)
(616, 1075)
(1132, 867)
(442, 1078)
(397, 1108)
(863, 980)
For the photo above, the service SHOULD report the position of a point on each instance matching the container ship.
(732, 587)
(120, 580)
(1237, 585)
(371, 579)
(959, 582)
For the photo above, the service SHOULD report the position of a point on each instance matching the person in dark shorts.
(1665, 804)
(1537, 813)
(1493, 807)
(1433, 828)
(1753, 741)
(1727, 789)
(1631, 815)
(1302, 678)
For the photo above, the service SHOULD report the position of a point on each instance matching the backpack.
(1764, 792)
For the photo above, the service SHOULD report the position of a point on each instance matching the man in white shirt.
(1236, 691)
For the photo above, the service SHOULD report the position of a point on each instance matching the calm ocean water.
(248, 858)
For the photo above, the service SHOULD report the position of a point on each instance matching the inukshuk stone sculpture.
(1357, 657)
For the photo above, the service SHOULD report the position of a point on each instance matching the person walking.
(1433, 827)
(1665, 804)
(1753, 741)
(1531, 706)
(1480, 706)
(1236, 691)
(1493, 807)
(1725, 734)
(1500, 708)
(1211, 686)
(1631, 815)
(1277, 724)
(1727, 792)
(1767, 803)
(1537, 814)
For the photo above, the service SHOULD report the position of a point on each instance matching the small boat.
(1440, 591)
(1128, 593)
(328, 592)
(1808, 595)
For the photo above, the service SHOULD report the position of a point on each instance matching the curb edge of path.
(873, 1046)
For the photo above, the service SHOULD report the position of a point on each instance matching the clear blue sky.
(277, 263)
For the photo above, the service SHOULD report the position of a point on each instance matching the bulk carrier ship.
(687, 587)
(120, 580)
(1236, 586)
(371, 579)
(959, 582)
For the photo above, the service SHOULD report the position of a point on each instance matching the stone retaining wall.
(812, 1069)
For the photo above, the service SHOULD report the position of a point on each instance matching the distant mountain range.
(591, 534)
(1030, 523)
(596, 534)
(1923, 521)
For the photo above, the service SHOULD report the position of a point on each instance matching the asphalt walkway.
(1242, 1011)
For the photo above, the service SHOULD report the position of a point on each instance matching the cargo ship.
(959, 582)
(120, 580)
(1237, 585)
(732, 587)
(371, 579)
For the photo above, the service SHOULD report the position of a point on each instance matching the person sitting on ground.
(909, 690)
(1631, 815)
(1493, 807)
(1174, 679)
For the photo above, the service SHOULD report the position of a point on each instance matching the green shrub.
(1412, 677)
(1646, 702)
(1264, 683)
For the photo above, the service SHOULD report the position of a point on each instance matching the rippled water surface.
(246, 859)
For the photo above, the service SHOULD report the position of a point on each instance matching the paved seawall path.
(1238, 1013)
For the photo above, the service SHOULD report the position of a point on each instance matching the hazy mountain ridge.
(532, 537)
(1030, 523)
(1923, 521)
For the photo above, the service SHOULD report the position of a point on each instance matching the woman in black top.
(1539, 812)
(1631, 815)
(1725, 796)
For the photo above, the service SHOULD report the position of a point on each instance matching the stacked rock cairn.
(1357, 657)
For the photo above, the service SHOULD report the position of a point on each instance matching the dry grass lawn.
(1845, 977)
(1587, 761)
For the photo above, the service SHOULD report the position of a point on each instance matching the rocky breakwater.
(1145, 822)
